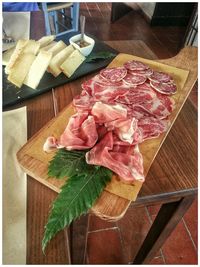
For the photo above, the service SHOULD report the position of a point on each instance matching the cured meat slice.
(146, 73)
(50, 144)
(99, 79)
(80, 132)
(113, 74)
(83, 102)
(104, 92)
(129, 166)
(104, 113)
(158, 76)
(140, 94)
(124, 128)
(152, 127)
(135, 65)
(164, 88)
(134, 80)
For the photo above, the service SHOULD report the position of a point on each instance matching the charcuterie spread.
(117, 110)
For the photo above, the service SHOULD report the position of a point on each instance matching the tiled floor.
(117, 243)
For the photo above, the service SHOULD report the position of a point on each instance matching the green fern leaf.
(78, 194)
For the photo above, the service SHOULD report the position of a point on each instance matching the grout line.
(162, 255)
(121, 242)
(105, 229)
(188, 231)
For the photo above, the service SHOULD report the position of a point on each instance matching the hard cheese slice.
(21, 68)
(38, 69)
(45, 40)
(32, 47)
(59, 46)
(71, 64)
(57, 60)
(15, 55)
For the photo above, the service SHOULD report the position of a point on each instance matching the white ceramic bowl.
(84, 50)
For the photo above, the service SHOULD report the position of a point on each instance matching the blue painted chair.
(52, 23)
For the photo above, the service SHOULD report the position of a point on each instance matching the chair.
(52, 22)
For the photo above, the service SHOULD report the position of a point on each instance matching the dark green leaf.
(67, 163)
(76, 197)
(99, 55)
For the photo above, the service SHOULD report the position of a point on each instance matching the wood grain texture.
(29, 155)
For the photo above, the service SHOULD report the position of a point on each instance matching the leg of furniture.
(168, 217)
(78, 240)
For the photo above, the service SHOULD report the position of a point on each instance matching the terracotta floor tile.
(191, 220)
(95, 223)
(178, 249)
(104, 247)
(157, 261)
(134, 227)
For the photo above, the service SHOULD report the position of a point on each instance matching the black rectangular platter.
(13, 95)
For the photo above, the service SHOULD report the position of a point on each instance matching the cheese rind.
(57, 60)
(38, 69)
(71, 64)
(20, 69)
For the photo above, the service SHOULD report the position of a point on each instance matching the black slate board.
(13, 95)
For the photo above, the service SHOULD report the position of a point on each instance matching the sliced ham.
(129, 166)
(104, 113)
(80, 132)
(151, 127)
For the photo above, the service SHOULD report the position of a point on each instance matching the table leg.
(168, 217)
(78, 231)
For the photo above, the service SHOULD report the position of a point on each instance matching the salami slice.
(113, 74)
(135, 65)
(134, 80)
(145, 73)
(164, 88)
(158, 76)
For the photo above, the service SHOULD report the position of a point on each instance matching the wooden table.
(172, 179)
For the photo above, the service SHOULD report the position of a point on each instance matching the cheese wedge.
(45, 40)
(47, 47)
(32, 47)
(38, 69)
(57, 60)
(7, 55)
(71, 64)
(18, 50)
(57, 48)
(20, 69)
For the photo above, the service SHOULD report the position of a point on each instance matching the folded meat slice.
(125, 129)
(105, 113)
(152, 127)
(80, 132)
(129, 166)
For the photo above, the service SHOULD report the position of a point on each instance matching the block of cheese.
(71, 64)
(16, 53)
(38, 69)
(45, 40)
(32, 47)
(57, 48)
(7, 55)
(47, 47)
(21, 68)
(57, 60)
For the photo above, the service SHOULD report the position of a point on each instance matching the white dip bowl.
(84, 50)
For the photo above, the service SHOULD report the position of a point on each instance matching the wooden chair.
(52, 22)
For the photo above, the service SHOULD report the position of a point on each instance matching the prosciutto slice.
(104, 113)
(80, 132)
(129, 166)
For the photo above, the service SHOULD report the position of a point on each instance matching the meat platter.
(35, 161)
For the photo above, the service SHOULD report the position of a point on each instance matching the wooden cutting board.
(34, 160)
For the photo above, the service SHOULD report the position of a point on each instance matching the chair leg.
(75, 16)
(46, 18)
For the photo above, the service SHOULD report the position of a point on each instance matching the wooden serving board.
(34, 160)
